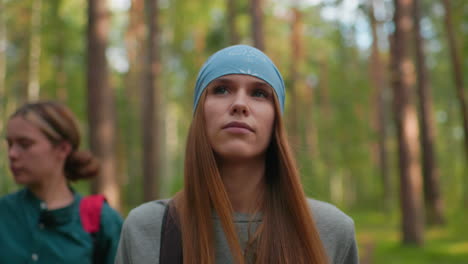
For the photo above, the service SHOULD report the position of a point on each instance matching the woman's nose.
(240, 105)
(13, 152)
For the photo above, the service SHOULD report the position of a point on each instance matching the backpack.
(90, 212)
(170, 251)
(90, 215)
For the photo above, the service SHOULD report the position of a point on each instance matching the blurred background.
(376, 103)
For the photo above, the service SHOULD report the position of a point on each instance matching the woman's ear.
(63, 149)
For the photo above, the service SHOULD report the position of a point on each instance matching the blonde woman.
(242, 200)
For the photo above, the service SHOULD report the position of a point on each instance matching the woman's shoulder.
(336, 230)
(141, 233)
(148, 213)
(329, 214)
(111, 221)
(110, 213)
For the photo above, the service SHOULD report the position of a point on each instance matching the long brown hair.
(287, 233)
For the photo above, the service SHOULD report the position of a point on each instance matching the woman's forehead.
(21, 127)
(240, 78)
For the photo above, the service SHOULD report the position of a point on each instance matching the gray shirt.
(140, 238)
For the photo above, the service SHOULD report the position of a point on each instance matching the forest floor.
(379, 239)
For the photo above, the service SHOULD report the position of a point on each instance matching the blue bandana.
(240, 59)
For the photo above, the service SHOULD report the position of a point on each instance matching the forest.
(376, 106)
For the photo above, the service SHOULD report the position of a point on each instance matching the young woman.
(242, 200)
(44, 222)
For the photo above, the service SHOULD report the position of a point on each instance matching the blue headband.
(240, 59)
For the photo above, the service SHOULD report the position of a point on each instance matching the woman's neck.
(244, 183)
(55, 192)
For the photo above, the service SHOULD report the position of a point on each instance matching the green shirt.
(29, 233)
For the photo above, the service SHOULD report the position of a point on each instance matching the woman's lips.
(15, 170)
(238, 127)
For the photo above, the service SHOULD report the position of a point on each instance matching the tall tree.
(231, 20)
(131, 147)
(60, 50)
(326, 113)
(256, 14)
(135, 43)
(150, 103)
(407, 125)
(379, 105)
(101, 102)
(35, 50)
(433, 200)
(3, 44)
(295, 85)
(457, 76)
(311, 128)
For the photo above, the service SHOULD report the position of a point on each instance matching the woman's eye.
(260, 93)
(24, 144)
(220, 90)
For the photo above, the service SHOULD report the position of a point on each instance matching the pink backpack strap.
(90, 212)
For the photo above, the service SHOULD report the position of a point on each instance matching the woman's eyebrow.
(17, 138)
(262, 84)
(222, 80)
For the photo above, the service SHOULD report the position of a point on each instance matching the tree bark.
(379, 104)
(458, 79)
(231, 19)
(35, 51)
(60, 50)
(294, 85)
(326, 113)
(433, 200)
(101, 107)
(151, 133)
(311, 127)
(256, 13)
(3, 44)
(135, 41)
(407, 126)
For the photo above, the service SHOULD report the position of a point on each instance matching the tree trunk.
(311, 129)
(407, 126)
(35, 51)
(135, 41)
(3, 43)
(151, 133)
(256, 13)
(3, 46)
(131, 149)
(294, 85)
(379, 104)
(326, 113)
(458, 78)
(101, 102)
(231, 19)
(60, 50)
(433, 201)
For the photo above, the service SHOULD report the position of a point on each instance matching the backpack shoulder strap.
(171, 238)
(90, 212)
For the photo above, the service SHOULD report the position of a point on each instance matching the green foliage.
(379, 240)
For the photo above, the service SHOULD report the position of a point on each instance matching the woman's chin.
(21, 178)
(21, 181)
(236, 154)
